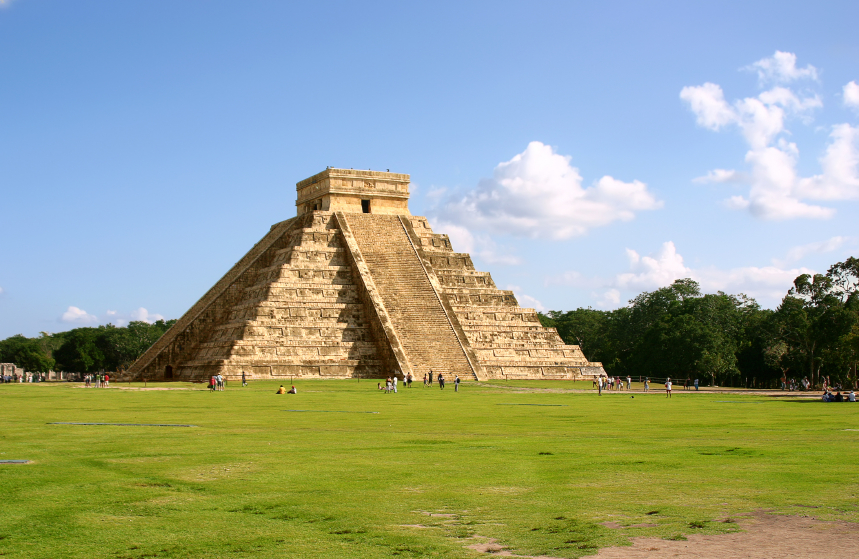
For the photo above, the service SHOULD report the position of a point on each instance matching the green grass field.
(528, 463)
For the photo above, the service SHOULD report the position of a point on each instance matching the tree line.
(728, 340)
(83, 350)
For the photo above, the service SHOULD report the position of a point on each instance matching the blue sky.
(582, 152)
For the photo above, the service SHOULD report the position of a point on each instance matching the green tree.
(26, 353)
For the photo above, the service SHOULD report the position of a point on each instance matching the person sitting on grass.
(281, 390)
(292, 390)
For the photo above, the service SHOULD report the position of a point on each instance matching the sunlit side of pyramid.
(355, 286)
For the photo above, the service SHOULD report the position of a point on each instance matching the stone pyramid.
(355, 286)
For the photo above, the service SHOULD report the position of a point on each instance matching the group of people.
(791, 384)
(616, 383)
(99, 380)
(23, 377)
(611, 383)
(283, 390)
(838, 397)
(391, 382)
(217, 383)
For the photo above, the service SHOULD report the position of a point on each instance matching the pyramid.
(355, 286)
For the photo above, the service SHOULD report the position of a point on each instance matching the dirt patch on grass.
(491, 546)
(764, 536)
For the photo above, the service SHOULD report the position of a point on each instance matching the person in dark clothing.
(441, 381)
(430, 377)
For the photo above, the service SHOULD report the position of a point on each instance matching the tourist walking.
(395, 383)
(441, 381)
(388, 385)
(425, 380)
(212, 383)
(696, 385)
(599, 385)
(668, 387)
(456, 383)
(430, 377)
(646, 384)
(244, 379)
(409, 380)
(628, 382)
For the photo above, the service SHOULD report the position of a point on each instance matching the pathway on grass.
(764, 536)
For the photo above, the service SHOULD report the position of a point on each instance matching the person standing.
(425, 380)
(456, 383)
(628, 382)
(696, 385)
(668, 387)
(212, 384)
(244, 379)
(106, 381)
(646, 384)
(395, 383)
(430, 377)
(599, 385)
(441, 381)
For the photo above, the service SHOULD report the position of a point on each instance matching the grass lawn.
(538, 468)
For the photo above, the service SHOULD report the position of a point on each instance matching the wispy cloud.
(797, 253)
(781, 68)
(662, 267)
(479, 245)
(75, 315)
(525, 300)
(851, 95)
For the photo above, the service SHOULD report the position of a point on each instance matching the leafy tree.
(26, 353)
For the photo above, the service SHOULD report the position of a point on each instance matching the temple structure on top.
(355, 286)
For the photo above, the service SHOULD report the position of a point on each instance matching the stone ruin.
(356, 286)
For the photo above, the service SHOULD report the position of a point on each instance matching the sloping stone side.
(179, 343)
(509, 340)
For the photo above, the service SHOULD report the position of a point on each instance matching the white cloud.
(538, 194)
(840, 164)
(776, 192)
(74, 315)
(781, 68)
(708, 103)
(143, 315)
(610, 298)
(722, 176)
(526, 301)
(851, 95)
(797, 253)
(651, 272)
(1, 290)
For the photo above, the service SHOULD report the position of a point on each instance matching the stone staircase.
(415, 309)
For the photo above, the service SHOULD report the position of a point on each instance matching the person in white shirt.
(668, 387)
